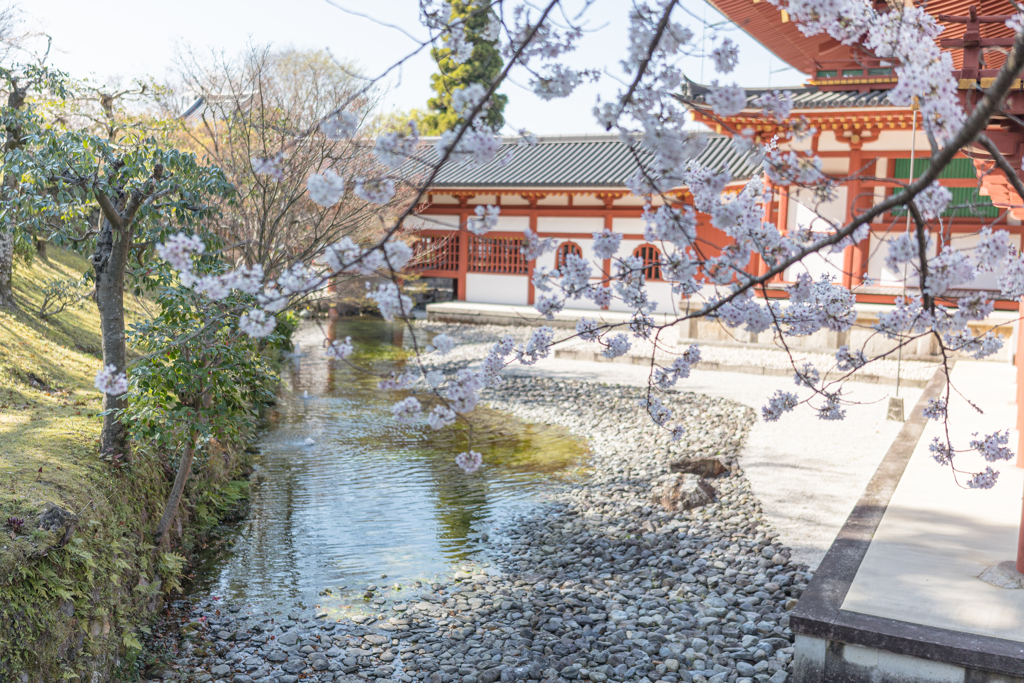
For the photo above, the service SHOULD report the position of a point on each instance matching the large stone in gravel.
(277, 656)
(375, 639)
(702, 467)
(221, 670)
(294, 666)
(682, 491)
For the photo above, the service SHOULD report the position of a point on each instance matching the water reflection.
(345, 494)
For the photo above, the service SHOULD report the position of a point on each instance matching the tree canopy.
(483, 67)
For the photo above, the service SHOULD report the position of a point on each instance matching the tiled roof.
(590, 161)
(806, 97)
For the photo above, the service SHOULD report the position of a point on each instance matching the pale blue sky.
(126, 38)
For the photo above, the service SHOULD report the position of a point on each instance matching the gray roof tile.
(596, 161)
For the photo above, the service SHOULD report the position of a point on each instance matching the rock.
(708, 468)
(294, 665)
(375, 639)
(682, 492)
(1003, 575)
(277, 656)
(221, 670)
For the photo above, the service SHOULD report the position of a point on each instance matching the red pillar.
(851, 255)
(530, 294)
(464, 236)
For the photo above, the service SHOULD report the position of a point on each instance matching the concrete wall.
(817, 660)
(497, 289)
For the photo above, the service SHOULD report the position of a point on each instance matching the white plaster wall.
(628, 226)
(586, 245)
(512, 223)
(483, 288)
(432, 222)
(573, 224)
(879, 249)
(898, 140)
(835, 165)
(967, 243)
(804, 213)
(661, 292)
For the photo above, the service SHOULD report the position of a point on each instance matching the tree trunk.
(110, 262)
(15, 100)
(42, 246)
(184, 468)
(6, 266)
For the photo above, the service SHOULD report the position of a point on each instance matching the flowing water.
(343, 494)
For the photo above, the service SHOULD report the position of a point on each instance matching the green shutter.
(826, 74)
(966, 203)
(957, 168)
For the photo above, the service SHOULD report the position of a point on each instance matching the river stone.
(288, 639)
(682, 492)
(277, 656)
(702, 467)
(374, 639)
(221, 670)
(294, 665)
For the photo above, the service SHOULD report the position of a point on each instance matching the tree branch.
(1002, 163)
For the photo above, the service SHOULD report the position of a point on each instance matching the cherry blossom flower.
(781, 402)
(442, 344)
(339, 350)
(441, 417)
(727, 100)
(270, 166)
(391, 302)
(486, 220)
(726, 56)
(326, 189)
(936, 409)
(379, 191)
(340, 126)
(256, 323)
(111, 382)
(606, 243)
(407, 410)
(394, 147)
(469, 461)
(179, 249)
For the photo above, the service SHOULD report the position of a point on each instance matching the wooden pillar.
(530, 293)
(464, 236)
(606, 264)
(782, 217)
(851, 260)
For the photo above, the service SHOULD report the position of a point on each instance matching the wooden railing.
(436, 251)
(497, 255)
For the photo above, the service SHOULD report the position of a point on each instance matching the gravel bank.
(598, 583)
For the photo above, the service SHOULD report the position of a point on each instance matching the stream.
(344, 496)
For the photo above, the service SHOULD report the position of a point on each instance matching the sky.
(111, 39)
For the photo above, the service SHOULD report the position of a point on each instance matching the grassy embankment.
(69, 610)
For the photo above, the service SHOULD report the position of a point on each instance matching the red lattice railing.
(499, 255)
(439, 251)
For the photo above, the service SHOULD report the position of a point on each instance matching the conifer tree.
(482, 67)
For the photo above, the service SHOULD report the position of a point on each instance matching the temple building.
(566, 188)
